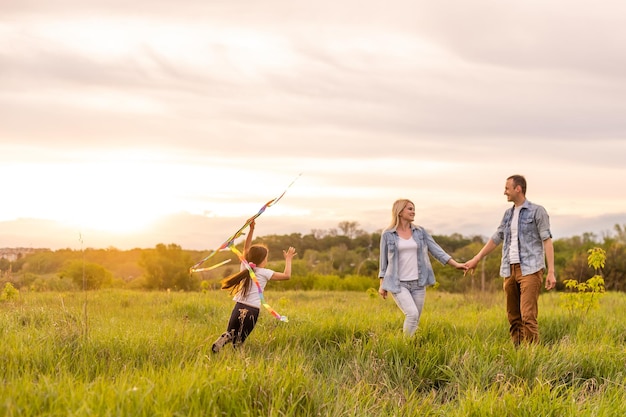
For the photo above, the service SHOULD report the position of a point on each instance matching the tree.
(167, 267)
(350, 229)
(615, 268)
(5, 264)
(44, 262)
(343, 260)
(453, 242)
(86, 275)
(620, 231)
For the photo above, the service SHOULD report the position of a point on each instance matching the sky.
(128, 124)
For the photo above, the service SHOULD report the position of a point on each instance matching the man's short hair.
(519, 180)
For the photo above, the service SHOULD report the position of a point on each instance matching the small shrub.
(585, 296)
(9, 292)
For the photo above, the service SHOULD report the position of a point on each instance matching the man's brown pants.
(522, 295)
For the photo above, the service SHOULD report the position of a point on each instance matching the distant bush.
(86, 275)
(9, 292)
(325, 283)
(52, 283)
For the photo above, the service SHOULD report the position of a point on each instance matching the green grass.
(125, 353)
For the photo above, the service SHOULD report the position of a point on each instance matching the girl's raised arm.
(248, 242)
(289, 254)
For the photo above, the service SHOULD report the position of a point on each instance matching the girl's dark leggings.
(242, 322)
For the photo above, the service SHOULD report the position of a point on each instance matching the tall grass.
(340, 354)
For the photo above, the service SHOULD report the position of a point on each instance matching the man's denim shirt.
(389, 258)
(533, 228)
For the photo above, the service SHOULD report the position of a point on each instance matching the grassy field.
(124, 353)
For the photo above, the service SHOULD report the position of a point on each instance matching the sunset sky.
(127, 124)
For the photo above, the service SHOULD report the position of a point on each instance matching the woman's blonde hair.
(396, 209)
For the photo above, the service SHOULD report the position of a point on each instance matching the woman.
(405, 269)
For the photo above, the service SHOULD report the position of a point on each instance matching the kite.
(229, 244)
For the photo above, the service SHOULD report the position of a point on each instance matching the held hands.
(458, 265)
(470, 266)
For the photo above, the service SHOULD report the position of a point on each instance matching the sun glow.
(125, 192)
(112, 195)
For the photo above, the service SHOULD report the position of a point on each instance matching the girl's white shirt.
(253, 299)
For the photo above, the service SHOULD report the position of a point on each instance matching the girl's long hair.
(396, 209)
(239, 283)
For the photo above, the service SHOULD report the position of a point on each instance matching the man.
(526, 244)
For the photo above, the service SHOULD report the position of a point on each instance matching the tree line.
(345, 257)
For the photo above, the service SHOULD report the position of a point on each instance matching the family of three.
(406, 271)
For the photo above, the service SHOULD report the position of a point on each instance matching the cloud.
(185, 107)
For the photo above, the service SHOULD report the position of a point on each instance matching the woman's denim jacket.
(389, 258)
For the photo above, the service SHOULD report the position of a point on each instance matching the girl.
(405, 268)
(246, 294)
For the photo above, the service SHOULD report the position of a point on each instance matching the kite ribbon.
(212, 266)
